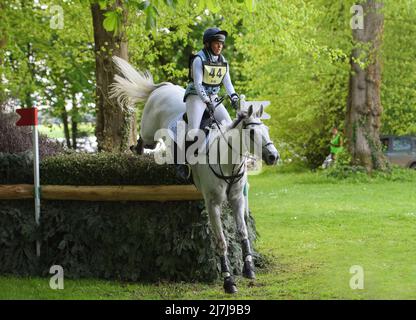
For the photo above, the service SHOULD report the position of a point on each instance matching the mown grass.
(57, 131)
(312, 230)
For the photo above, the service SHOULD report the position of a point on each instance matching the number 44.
(212, 73)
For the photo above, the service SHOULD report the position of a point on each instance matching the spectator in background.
(336, 144)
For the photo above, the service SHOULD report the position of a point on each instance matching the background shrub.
(14, 139)
(88, 169)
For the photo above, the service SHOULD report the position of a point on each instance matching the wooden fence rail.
(103, 193)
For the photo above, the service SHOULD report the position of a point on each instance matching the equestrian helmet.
(214, 34)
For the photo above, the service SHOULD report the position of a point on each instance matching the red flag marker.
(28, 117)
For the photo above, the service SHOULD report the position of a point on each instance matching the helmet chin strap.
(212, 52)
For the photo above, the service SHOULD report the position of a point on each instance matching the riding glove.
(234, 100)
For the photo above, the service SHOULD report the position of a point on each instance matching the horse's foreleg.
(214, 212)
(238, 207)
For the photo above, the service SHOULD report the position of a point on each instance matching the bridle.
(257, 124)
(236, 175)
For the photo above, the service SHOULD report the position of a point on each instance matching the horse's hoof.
(248, 270)
(229, 285)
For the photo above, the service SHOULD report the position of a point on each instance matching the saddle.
(206, 123)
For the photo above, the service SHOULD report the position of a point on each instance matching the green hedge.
(112, 240)
(87, 169)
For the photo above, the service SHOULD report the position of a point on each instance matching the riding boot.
(183, 171)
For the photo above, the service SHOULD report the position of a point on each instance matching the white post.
(37, 180)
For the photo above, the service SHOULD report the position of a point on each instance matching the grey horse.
(218, 182)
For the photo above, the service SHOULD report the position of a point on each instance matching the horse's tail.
(133, 86)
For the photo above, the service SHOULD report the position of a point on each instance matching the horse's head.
(255, 134)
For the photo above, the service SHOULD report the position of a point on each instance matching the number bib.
(214, 73)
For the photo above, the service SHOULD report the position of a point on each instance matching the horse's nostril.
(272, 158)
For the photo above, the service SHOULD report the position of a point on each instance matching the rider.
(208, 69)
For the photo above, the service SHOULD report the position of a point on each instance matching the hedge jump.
(159, 193)
(90, 228)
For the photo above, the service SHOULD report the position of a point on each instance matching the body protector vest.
(213, 73)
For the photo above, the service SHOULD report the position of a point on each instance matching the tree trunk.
(364, 107)
(115, 127)
(74, 122)
(64, 117)
(74, 129)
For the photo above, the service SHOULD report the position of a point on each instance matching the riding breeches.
(195, 108)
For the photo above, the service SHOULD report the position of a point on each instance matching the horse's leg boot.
(229, 285)
(248, 268)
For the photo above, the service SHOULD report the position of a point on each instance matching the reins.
(235, 176)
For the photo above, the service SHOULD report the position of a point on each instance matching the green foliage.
(293, 53)
(399, 69)
(106, 169)
(151, 9)
(300, 64)
(16, 168)
(91, 169)
(48, 66)
(112, 21)
(342, 170)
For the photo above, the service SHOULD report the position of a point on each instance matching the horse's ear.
(250, 111)
(241, 115)
(259, 113)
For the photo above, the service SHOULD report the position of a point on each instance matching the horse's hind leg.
(214, 213)
(238, 207)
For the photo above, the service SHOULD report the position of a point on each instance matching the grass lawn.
(57, 131)
(312, 230)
